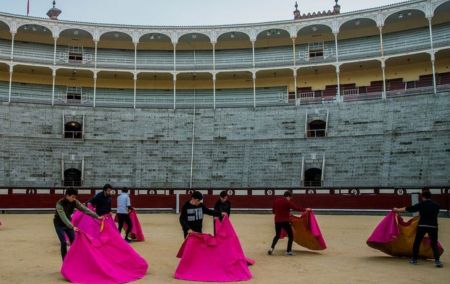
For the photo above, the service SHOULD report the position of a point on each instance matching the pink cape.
(213, 259)
(99, 255)
(136, 231)
(395, 237)
(386, 231)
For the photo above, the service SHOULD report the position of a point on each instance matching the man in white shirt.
(123, 209)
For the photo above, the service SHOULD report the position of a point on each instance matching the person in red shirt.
(282, 209)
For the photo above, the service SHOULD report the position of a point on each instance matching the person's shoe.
(289, 253)
(413, 261)
(270, 251)
(127, 240)
(438, 264)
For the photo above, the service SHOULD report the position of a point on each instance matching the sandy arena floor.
(29, 252)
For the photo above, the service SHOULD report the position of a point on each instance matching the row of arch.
(263, 32)
(438, 52)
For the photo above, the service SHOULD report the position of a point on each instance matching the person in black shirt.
(428, 224)
(102, 201)
(63, 215)
(223, 205)
(191, 217)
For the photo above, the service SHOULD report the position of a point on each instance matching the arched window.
(73, 129)
(72, 177)
(317, 128)
(313, 177)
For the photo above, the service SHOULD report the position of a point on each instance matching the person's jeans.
(62, 232)
(287, 227)
(125, 218)
(432, 234)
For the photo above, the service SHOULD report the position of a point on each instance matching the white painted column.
(13, 36)
(95, 87)
(135, 73)
(338, 93)
(95, 53)
(135, 55)
(174, 56)
(55, 41)
(53, 85)
(214, 55)
(383, 70)
(434, 73)
(338, 88)
(253, 54)
(297, 99)
(380, 28)
(214, 90)
(254, 89)
(432, 54)
(134, 88)
(55, 38)
(214, 73)
(174, 91)
(174, 74)
(95, 70)
(11, 67)
(294, 58)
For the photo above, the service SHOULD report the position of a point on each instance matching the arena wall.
(402, 141)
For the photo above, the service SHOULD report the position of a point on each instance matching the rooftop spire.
(337, 7)
(54, 12)
(296, 12)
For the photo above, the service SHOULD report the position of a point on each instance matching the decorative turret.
(337, 7)
(336, 10)
(54, 12)
(296, 12)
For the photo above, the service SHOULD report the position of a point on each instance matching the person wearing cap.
(428, 224)
(223, 205)
(102, 201)
(282, 209)
(63, 215)
(191, 217)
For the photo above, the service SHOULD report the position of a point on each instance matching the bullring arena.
(30, 252)
(348, 111)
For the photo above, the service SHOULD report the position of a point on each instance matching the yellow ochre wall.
(308, 77)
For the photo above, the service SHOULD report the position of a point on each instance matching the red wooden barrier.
(40, 198)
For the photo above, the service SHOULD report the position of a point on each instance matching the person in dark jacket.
(428, 224)
(282, 209)
(63, 216)
(191, 217)
(223, 205)
(102, 201)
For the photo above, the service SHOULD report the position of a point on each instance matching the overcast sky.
(181, 12)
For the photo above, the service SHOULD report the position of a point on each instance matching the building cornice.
(334, 22)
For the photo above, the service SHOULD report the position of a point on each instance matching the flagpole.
(28, 8)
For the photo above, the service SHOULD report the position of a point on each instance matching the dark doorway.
(313, 177)
(72, 177)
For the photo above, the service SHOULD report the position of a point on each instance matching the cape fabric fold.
(136, 231)
(210, 258)
(306, 231)
(395, 237)
(99, 255)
